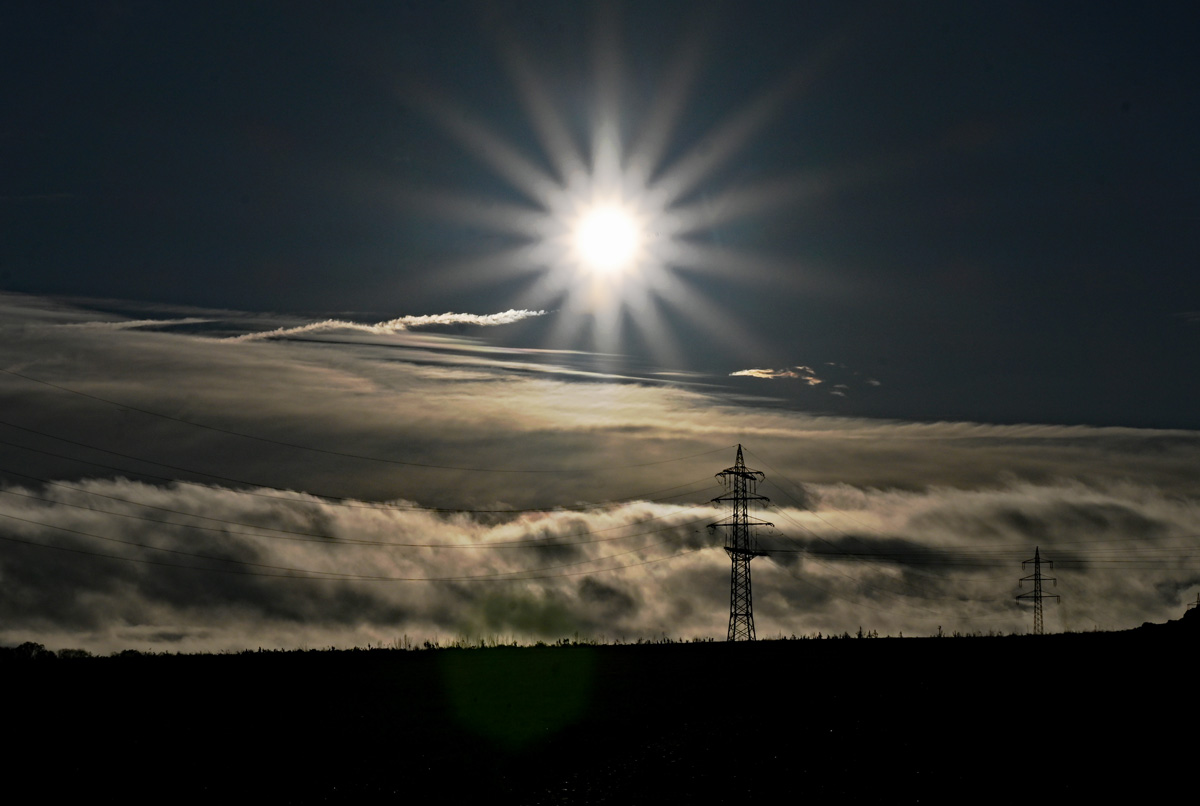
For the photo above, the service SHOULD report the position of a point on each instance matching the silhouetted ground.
(962, 720)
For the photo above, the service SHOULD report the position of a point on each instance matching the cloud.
(836, 372)
(866, 506)
(263, 566)
(765, 374)
(397, 325)
(956, 553)
(804, 373)
(287, 569)
(130, 324)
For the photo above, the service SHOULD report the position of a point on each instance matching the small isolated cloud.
(765, 374)
(840, 377)
(397, 325)
(801, 372)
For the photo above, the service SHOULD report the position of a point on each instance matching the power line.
(299, 573)
(329, 452)
(325, 539)
(814, 513)
(240, 572)
(993, 548)
(857, 602)
(835, 552)
(334, 500)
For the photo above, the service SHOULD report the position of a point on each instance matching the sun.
(607, 239)
(610, 224)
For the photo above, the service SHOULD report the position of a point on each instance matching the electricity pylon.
(740, 543)
(1036, 594)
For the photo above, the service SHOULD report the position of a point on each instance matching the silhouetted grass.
(840, 719)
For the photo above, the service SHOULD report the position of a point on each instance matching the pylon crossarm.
(744, 497)
(752, 475)
(748, 520)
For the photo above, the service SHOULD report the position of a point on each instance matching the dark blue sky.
(1002, 223)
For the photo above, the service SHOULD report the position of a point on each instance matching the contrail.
(394, 325)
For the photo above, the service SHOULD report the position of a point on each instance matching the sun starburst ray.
(697, 308)
(614, 237)
(488, 147)
(647, 318)
(555, 138)
(739, 203)
(723, 262)
(494, 267)
(651, 143)
(484, 213)
(718, 147)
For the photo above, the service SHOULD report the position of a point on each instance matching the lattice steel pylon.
(1036, 594)
(741, 544)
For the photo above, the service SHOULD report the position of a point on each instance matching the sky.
(329, 325)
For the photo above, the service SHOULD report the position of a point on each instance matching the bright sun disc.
(607, 239)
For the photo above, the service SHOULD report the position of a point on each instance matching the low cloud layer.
(118, 563)
(895, 526)
(114, 564)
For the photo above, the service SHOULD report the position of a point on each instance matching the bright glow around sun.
(607, 239)
(612, 227)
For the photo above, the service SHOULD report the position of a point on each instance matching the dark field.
(962, 720)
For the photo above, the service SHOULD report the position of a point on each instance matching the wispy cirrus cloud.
(397, 325)
(132, 324)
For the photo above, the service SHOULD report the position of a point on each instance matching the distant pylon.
(740, 543)
(1036, 595)
(1195, 603)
